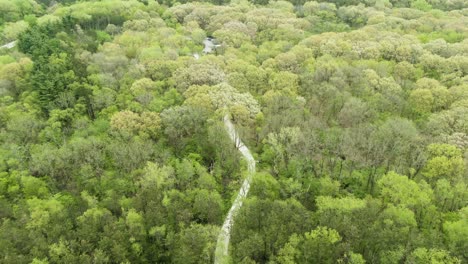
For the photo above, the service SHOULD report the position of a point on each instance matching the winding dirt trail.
(9, 45)
(222, 245)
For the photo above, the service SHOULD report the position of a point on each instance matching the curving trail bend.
(222, 245)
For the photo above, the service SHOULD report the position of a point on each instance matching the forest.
(114, 148)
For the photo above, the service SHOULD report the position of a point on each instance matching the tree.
(143, 90)
(400, 190)
(13, 30)
(353, 15)
(127, 155)
(449, 197)
(264, 186)
(257, 234)
(234, 33)
(339, 214)
(148, 123)
(52, 77)
(208, 73)
(456, 234)
(322, 245)
(405, 73)
(421, 101)
(220, 97)
(393, 187)
(183, 125)
(354, 112)
(392, 231)
(25, 127)
(423, 255)
(208, 206)
(445, 162)
(47, 221)
(196, 244)
(285, 81)
(280, 147)
(421, 5)
(17, 9)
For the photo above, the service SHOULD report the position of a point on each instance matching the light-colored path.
(9, 45)
(222, 245)
(210, 46)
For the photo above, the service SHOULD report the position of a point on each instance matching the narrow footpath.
(222, 245)
(9, 45)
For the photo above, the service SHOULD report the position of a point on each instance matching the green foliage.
(39, 41)
(400, 190)
(113, 147)
(422, 255)
(317, 246)
(421, 5)
(449, 36)
(196, 244)
(264, 186)
(445, 161)
(456, 234)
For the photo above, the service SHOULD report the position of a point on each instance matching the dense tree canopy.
(113, 149)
